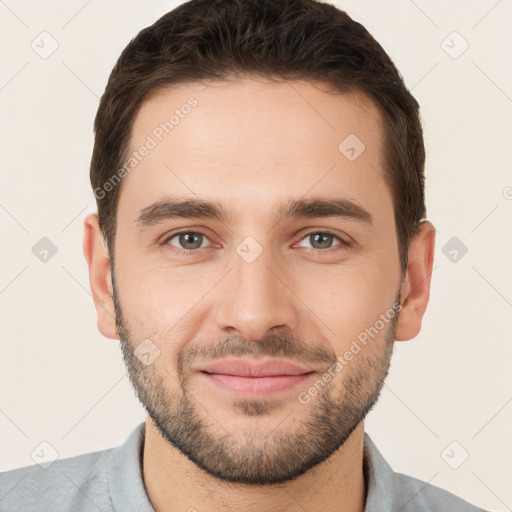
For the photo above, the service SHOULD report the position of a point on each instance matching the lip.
(246, 368)
(253, 379)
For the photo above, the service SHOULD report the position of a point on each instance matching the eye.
(322, 240)
(187, 240)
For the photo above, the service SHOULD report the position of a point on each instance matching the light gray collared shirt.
(111, 480)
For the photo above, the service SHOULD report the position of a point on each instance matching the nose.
(256, 298)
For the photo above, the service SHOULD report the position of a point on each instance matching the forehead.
(253, 143)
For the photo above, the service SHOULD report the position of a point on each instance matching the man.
(259, 246)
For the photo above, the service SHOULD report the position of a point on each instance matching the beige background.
(63, 383)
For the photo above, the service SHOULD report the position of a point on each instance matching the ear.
(416, 283)
(100, 278)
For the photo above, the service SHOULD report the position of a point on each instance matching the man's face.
(257, 286)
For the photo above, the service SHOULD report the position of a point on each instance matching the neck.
(173, 482)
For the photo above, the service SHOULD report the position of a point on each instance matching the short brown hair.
(286, 39)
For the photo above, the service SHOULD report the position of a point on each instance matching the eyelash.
(192, 252)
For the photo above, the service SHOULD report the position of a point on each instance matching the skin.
(249, 145)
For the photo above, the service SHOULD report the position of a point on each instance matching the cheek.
(349, 300)
(164, 303)
(143, 300)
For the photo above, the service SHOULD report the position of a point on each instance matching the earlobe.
(416, 285)
(100, 278)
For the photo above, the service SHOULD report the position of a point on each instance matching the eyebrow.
(176, 208)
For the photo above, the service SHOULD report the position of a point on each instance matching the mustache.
(284, 346)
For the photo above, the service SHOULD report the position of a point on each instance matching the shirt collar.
(126, 486)
(379, 478)
(129, 494)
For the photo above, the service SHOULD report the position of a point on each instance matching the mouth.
(254, 378)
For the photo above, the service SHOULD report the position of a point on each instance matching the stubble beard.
(246, 457)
